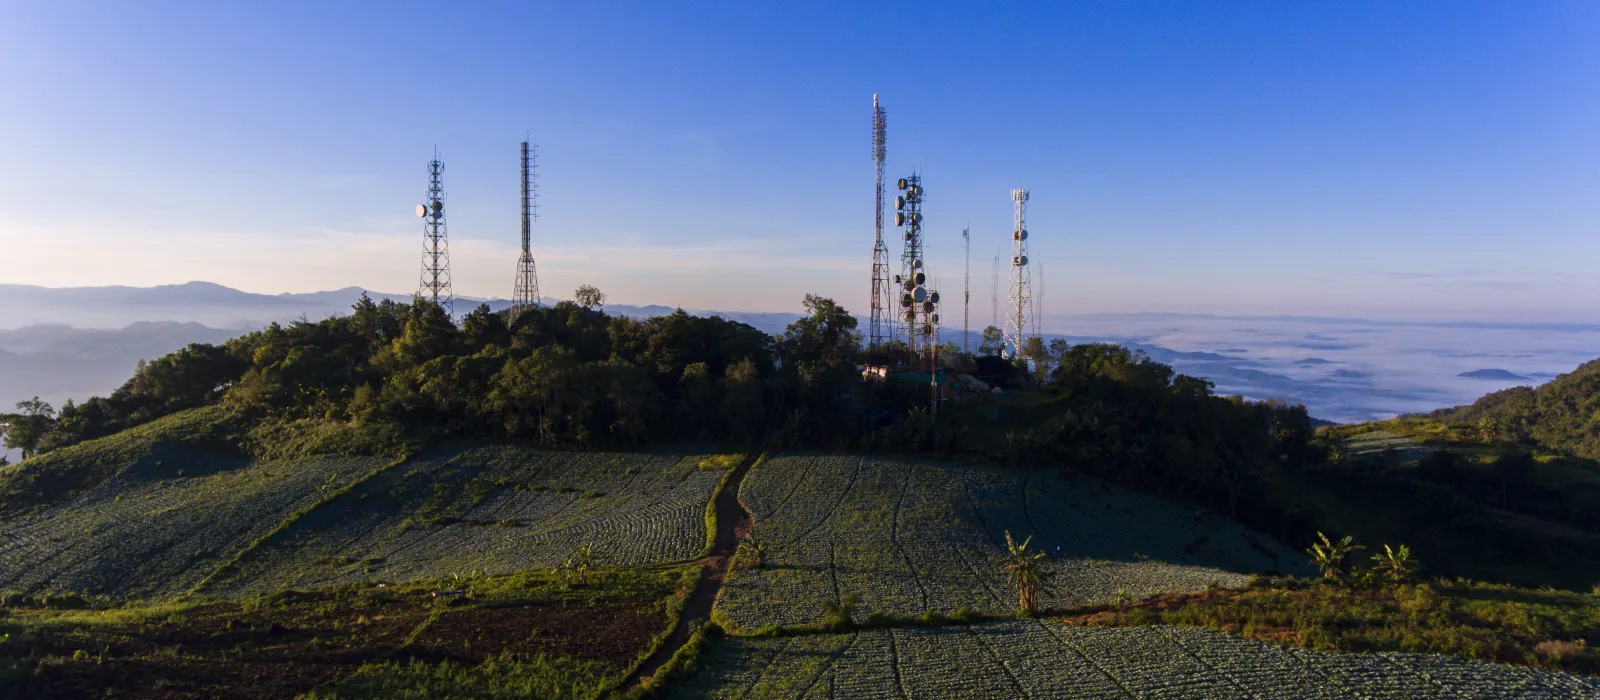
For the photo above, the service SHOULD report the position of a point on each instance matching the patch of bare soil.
(613, 633)
(282, 651)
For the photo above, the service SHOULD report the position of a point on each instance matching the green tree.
(1034, 352)
(482, 328)
(993, 341)
(819, 348)
(951, 355)
(1329, 556)
(589, 297)
(25, 429)
(1059, 348)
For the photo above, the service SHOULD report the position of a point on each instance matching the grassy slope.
(1545, 629)
(1452, 537)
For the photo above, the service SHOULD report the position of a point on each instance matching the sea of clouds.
(1346, 370)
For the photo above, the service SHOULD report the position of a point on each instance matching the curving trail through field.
(733, 522)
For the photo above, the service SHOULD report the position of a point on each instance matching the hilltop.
(632, 489)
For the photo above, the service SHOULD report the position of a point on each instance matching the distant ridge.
(218, 306)
(1494, 374)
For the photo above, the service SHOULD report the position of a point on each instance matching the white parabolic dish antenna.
(422, 210)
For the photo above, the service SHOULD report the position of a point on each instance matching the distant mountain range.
(224, 307)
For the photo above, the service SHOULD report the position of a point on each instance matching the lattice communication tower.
(435, 241)
(881, 326)
(1020, 326)
(526, 293)
(918, 303)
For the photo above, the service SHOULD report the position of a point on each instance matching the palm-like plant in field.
(1395, 564)
(751, 551)
(574, 569)
(1024, 571)
(1329, 555)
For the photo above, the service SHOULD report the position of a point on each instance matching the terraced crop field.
(1046, 659)
(181, 519)
(495, 509)
(163, 523)
(911, 537)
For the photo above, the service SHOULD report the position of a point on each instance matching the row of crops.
(164, 522)
(910, 537)
(494, 509)
(1046, 659)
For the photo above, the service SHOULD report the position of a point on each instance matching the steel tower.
(526, 293)
(1020, 325)
(881, 325)
(435, 241)
(917, 301)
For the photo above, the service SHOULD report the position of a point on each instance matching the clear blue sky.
(1389, 160)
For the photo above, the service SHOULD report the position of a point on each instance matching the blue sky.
(1435, 161)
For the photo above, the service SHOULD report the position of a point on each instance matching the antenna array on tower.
(918, 302)
(1020, 326)
(435, 241)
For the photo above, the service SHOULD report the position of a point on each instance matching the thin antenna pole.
(994, 293)
(1038, 303)
(966, 296)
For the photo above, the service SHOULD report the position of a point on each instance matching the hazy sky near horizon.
(1418, 160)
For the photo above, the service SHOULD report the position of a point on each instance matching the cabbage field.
(495, 509)
(911, 537)
(164, 522)
(1046, 659)
(182, 520)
